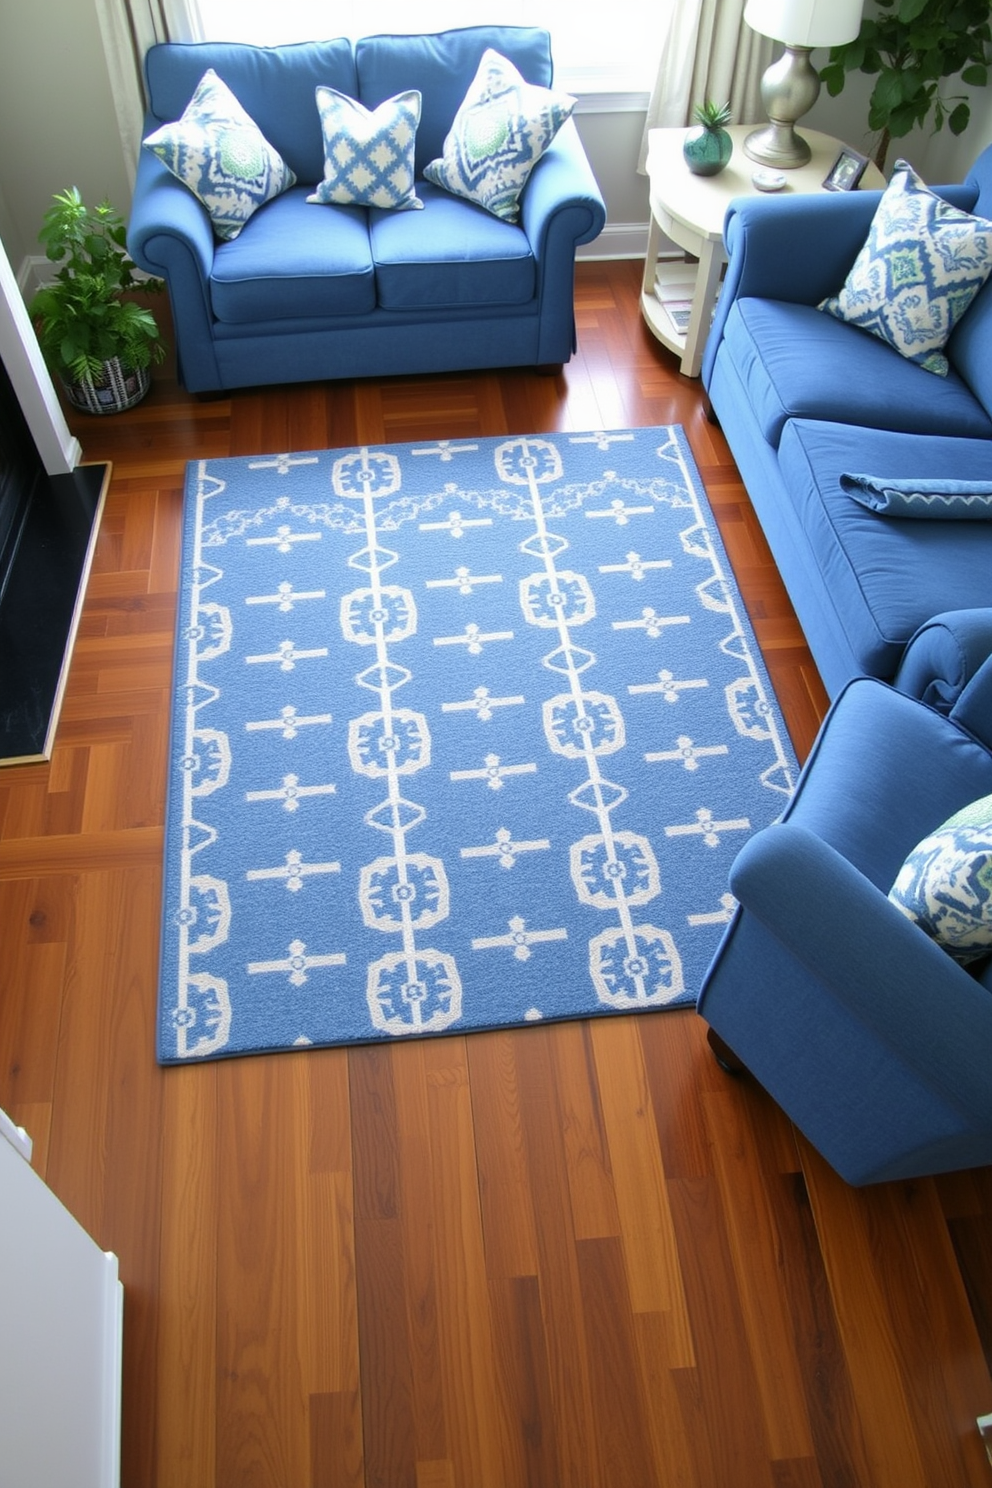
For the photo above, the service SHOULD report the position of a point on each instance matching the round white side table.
(677, 299)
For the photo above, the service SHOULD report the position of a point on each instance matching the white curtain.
(129, 28)
(709, 54)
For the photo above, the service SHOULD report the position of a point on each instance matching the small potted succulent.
(99, 342)
(707, 148)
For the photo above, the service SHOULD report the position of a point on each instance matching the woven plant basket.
(119, 387)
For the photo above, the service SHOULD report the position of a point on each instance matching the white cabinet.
(61, 1311)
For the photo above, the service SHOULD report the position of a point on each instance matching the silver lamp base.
(789, 89)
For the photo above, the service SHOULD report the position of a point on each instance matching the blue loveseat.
(311, 292)
(803, 397)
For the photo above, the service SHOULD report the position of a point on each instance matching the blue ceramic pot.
(707, 151)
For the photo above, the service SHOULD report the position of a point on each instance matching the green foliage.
(81, 317)
(712, 115)
(910, 47)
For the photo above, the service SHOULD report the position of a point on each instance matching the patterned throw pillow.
(945, 885)
(921, 266)
(219, 152)
(368, 156)
(501, 130)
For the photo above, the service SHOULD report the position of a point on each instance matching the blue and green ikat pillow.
(368, 154)
(219, 152)
(502, 128)
(945, 885)
(921, 266)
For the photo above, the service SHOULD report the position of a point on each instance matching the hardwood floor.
(574, 1255)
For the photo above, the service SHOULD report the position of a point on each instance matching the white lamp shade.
(807, 23)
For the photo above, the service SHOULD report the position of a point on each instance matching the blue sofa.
(311, 292)
(803, 398)
(873, 1040)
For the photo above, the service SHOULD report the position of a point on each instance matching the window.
(597, 48)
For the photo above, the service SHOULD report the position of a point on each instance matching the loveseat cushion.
(886, 575)
(442, 66)
(798, 363)
(450, 254)
(295, 261)
(275, 85)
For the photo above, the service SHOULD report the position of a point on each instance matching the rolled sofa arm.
(170, 235)
(866, 957)
(973, 709)
(943, 656)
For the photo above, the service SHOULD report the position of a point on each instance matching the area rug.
(466, 734)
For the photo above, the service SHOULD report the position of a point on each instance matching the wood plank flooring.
(563, 1257)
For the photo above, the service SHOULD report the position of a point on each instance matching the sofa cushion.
(219, 152)
(442, 66)
(368, 153)
(796, 363)
(274, 84)
(921, 266)
(945, 884)
(502, 128)
(450, 254)
(293, 262)
(885, 576)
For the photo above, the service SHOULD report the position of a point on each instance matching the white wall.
(58, 121)
(57, 118)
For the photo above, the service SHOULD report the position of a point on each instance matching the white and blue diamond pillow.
(502, 128)
(921, 266)
(368, 154)
(219, 152)
(945, 885)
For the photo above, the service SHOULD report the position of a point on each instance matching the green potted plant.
(910, 47)
(99, 342)
(708, 147)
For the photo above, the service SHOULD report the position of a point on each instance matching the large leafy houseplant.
(910, 47)
(97, 340)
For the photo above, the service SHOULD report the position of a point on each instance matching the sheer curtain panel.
(709, 52)
(129, 28)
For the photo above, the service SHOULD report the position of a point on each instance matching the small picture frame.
(846, 171)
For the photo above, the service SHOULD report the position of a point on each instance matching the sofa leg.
(549, 369)
(709, 411)
(724, 1054)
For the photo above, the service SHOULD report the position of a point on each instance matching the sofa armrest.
(973, 709)
(796, 248)
(867, 958)
(561, 207)
(170, 235)
(943, 656)
(562, 179)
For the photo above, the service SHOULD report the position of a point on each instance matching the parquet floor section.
(562, 1257)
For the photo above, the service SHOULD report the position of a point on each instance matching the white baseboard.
(35, 270)
(618, 240)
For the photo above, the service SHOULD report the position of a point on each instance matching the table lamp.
(791, 85)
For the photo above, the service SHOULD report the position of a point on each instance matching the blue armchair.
(308, 292)
(872, 1039)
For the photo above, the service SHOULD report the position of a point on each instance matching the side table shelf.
(669, 307)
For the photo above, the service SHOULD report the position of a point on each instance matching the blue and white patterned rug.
(465, 734)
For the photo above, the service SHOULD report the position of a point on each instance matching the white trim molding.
(60, 451)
